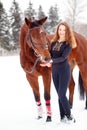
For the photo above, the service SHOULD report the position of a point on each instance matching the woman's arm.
(64, 56)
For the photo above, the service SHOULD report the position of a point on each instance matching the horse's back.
(81, 45)
(80, 38)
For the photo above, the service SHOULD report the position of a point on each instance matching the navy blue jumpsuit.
(61, 74)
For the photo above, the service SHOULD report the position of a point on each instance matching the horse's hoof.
(39, 117)
(48, 119)
(86, 107)
(70, 105)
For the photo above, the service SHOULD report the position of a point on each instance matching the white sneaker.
(68, 119)
(71, 119)
(64, 119)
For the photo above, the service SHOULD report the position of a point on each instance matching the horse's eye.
(33, 38)
(43, 34)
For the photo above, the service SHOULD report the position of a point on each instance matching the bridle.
(32, 45)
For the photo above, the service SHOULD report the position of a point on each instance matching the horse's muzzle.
(48, 59)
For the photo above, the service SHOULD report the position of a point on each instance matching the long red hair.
(69, 36)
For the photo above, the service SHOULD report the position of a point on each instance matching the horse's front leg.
(33, 81)
(47, 86)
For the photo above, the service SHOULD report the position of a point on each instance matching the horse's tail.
(81, 87)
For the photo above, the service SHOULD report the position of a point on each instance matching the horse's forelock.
(34, 24)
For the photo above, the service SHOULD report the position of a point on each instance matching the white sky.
(24, 3)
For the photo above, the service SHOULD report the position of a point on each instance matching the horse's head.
(37, 38)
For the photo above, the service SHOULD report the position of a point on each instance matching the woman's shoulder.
(69, 46)
(66, 44)
(53, 42)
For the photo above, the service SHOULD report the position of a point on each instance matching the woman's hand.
(44, 64)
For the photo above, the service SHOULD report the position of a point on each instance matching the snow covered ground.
(17, 105)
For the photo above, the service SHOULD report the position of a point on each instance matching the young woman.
(61, 47)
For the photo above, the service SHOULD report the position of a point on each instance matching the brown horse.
(79, 56)
(33, 51)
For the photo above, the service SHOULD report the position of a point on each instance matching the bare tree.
(75, 12)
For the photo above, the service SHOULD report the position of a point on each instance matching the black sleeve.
(64, 56)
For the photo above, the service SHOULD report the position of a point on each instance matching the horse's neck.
(24, 29)
(50, 36)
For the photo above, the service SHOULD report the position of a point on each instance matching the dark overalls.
(61, 74)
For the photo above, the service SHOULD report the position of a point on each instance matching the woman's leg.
(62, 113)
(55, 77)
(63, 85)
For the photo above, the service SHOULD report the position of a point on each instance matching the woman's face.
(61, 31)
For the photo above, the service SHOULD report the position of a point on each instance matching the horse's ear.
(42, 21)
(27, 21)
